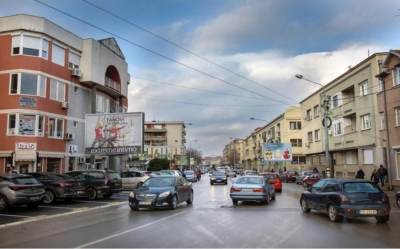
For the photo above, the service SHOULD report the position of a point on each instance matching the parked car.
(218, 177)
(250, 173)
(290, 176)
(274, 180)
(190, 175)
(349, 198)
(59, 186)
(310, 180)
(161, 191)
(98, 182)
(171, 172)
(231, 173)
(302, 175)
(131, 179)
(252, 188)
(18, 189)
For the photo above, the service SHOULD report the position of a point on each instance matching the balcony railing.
(112, 84)
(155, 138)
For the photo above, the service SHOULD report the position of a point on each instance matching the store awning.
(50, 154)
(29, 155)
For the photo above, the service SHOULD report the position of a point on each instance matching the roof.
(112, 45)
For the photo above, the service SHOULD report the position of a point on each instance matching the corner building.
(49, 79)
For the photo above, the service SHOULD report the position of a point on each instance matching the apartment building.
(389, 112)
(250, 156)
(354, 139)
(50, 79)
(164, 139)
(212, 160)
(233, 152)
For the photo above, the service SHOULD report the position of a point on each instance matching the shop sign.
(25, 146)
(277, 152)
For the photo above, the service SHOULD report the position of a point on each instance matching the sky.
(242, 57)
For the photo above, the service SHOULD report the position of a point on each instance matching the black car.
(98, 182)
(218, 177)
(161, 191)
(349, 198)
(59, 186)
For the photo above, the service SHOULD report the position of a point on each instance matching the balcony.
(110, 83)
(155, 129)
(155, 138)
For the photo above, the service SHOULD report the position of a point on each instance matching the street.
(212, 221)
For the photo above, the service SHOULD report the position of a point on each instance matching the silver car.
(20, 189)
(131, 179)
(252, 188)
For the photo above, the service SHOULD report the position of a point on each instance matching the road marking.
(129, 230)
(45, 217)
(57, 207)
(14, 215)
(101, 202)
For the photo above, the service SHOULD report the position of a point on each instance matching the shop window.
(57, 90)
(31, 45)
(58, 55)
(53, 165)
(28, 84)
(27, 124)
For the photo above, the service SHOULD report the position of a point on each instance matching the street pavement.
(211, 221)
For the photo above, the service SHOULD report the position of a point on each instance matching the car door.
(315, 196)
(182, 189)
(328, 195)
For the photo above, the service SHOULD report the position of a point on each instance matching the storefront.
(25, 157)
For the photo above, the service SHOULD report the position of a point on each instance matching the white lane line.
(57, 207)
(14, 215)
(129, 230)
(101, 202)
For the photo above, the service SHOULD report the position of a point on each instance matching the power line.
(183, 48)
(211, 104)
(159, 54)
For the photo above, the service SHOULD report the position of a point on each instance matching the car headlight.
(164, 194)
(132, 195)
(212, 178)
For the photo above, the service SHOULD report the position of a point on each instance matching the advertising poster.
(114, 133)
(277, 152)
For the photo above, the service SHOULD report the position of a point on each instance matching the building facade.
(389, 113)
(50, 79)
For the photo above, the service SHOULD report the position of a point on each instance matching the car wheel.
(273, 197)
(333, 215)
(267, 200)
(48, 197)
(3, 203)
(91, 193)
(235, 202)
(190, 200)
(304, 206)
(33, 205)
(174, 202)
(382, 219)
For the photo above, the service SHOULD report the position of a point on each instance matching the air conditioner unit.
(64, 105)
(76, 72)
(68, 136)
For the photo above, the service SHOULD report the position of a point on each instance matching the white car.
(130, 179)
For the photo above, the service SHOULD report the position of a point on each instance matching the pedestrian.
(360, 174)
(315, 170)
(375, 177)
(382, 172)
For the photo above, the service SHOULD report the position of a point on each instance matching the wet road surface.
(211, 221)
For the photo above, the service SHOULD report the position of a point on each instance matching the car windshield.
(218, 173)
(360, 187)
(25, 180)
(249, 180)
(189, 172)
(159, 182)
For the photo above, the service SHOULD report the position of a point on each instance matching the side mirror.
(140, 184)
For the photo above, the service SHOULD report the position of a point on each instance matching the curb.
(45, 217)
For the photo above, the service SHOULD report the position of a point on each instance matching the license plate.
(246, 190)
(147, 203)
(34, 198)
(368, 212)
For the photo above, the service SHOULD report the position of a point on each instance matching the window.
(31, 45)
(28, 84)
(308, 114)
(365, 122)
(382, 120)
(295, 125)
(102, 104)
(381, 85)
(316, 111)
(25, 125)
(368, 156)
(73, 60)
(396, 77)
(309, 137)
(336, 100)
(363, 86)
(57, 90)
(56, 128)
(397, 115)
(316, 135)
(296, 142)
(75, 124)
(58, 55)
(298, 160)
(337, 127)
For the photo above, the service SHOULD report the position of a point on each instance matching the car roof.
(164, 176)
(344, 180)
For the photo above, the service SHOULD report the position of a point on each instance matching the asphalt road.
(210, 222)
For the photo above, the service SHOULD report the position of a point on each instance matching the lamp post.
(326, 122)
(259, 119)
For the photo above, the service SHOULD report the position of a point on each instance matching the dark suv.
(98, 182)
(59, 186)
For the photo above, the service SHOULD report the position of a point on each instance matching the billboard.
(277, 152)
(114, 133)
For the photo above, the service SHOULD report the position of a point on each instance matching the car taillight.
(344, 199)
(17, 187)
(258, 190)
(65, 184)
(235, 189)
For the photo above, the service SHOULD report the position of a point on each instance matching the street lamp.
(259, 119)
(301, 77)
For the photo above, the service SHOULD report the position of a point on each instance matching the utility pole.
(388, 154)
(326, 123)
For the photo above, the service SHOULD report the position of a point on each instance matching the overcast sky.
(267, 42)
